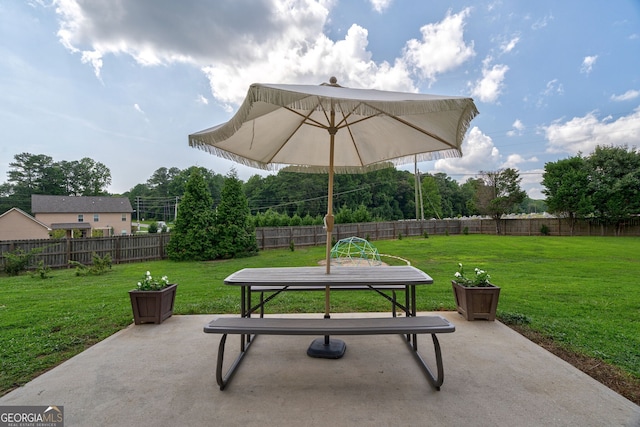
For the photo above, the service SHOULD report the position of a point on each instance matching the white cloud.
(587, 64)
(509, 45)
(479, 153)
(627, 96)
(201, 99)
(489, 87)
(255, 41)
(541, 23)
(531, 183)
(442, 47)
(513, 160)
(583, 134)
(346, 59)
(553, 87)
(518, 127)
(380, 5)
(138, 109)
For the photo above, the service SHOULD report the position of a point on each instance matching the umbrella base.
(326, 348)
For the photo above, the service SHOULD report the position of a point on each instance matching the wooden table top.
(339, 276)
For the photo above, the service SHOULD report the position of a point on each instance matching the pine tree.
(193, 235)
(236, 235)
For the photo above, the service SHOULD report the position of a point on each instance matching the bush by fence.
(58, 252)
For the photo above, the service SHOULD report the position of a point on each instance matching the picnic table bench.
(376, 278)
(406, 326)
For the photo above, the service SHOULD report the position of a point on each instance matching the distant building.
(16, 224)
(112, 215)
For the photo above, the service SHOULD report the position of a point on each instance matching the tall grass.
(584, 292)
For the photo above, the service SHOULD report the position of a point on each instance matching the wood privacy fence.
(58, 252)
(279, 237)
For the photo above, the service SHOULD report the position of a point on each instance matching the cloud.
(380, 5)
(531, 183)
(627, 96)
(201, 99)
(518, 127)
(442, 47)
(587, 64)
(553, 87)
(346, 59)
(583, 134)
(509, 45)
(513, 160)
(479, 153)
(489, 87)
(243, 30)
(138, 109)
(238, 43)
(541, 23)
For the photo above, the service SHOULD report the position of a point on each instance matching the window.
(124, 217)
(96, 217)
(80, 218)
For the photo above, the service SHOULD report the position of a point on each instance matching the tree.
(90, 178)
(235, 235)
(566, 187)
(500, 193)
(468, 193)
(39, 174)
(432, 202)
(614, 184)
(193, 234)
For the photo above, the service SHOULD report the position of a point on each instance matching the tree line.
(603, 186)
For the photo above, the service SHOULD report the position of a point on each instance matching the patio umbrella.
(330, 128)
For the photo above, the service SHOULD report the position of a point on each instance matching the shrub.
(465, 231)
(98, 267)
(57, 234)
(42, 270)
(544, 230)
(153, 228)
(18, 260)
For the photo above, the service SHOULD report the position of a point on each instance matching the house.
(16, 224)
(111, 215)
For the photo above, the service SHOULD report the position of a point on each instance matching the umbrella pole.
(326, 347)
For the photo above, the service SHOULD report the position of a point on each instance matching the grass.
(581, 291)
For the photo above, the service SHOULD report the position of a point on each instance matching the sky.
(125, 82)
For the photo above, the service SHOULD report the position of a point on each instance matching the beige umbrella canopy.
(330, 128)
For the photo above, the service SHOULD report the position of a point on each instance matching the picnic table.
(376, 278)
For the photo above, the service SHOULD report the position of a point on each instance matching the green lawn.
(584, 292)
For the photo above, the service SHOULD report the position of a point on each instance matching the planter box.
(153, 306)
(476, 302)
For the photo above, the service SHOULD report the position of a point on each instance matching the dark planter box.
(476, 302)
(153, 306)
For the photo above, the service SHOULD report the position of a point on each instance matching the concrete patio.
(163, 375)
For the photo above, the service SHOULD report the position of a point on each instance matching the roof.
(70, 225)
(79, 204)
